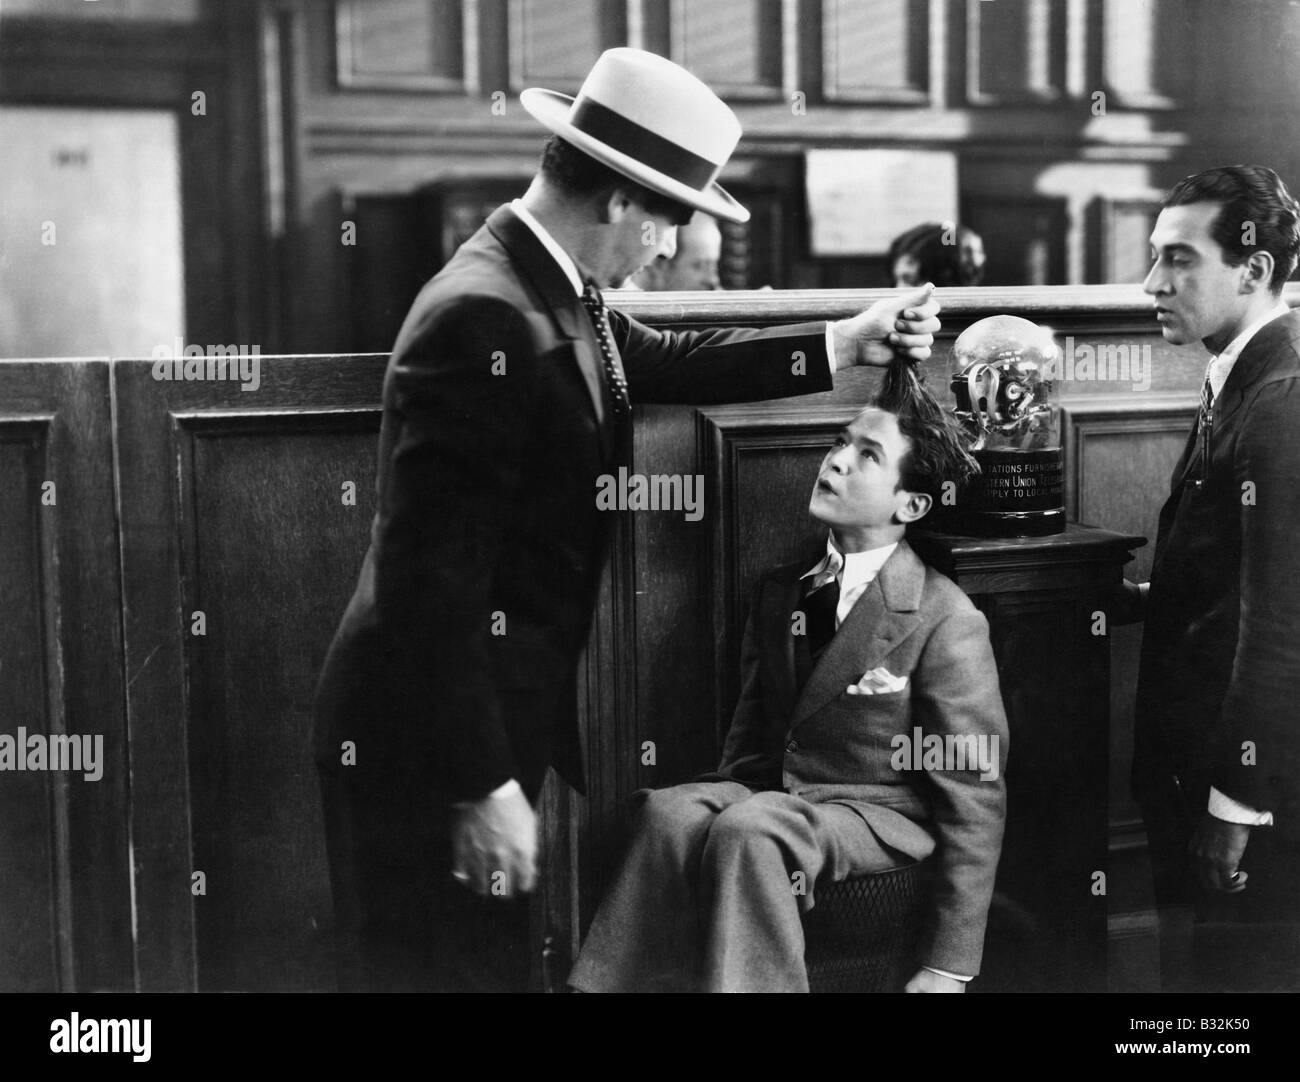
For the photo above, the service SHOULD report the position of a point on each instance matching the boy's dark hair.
(938, 445)
(580, 176)
(1247, 193)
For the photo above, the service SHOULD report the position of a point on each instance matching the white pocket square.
(878, 682)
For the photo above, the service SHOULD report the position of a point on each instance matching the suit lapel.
(1248, 369)
(1253, 364)
(884, 616)
(1189, 455)
(555, 292)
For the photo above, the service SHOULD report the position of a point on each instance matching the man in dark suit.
(450, 685)
(869, 733)
(1216, 764)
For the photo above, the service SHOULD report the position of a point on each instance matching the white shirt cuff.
(945, 973)
(510, 788)
(1231, 811)
(830, 347)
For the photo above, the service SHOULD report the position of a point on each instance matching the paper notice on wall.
(860, 200)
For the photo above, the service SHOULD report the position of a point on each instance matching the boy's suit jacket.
(825, 744)
(1221, 646)
(454, 665)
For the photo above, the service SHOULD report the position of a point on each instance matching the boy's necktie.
(820, 605)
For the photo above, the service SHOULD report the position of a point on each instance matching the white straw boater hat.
(652, 121)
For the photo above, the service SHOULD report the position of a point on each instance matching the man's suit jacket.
(825, 744)
(495, 429)
(1221, 647)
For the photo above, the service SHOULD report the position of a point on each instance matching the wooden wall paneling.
(420, 45)
(1025, 238)
(553, 43)
(763, 251)
(608, 673)
(385, 268)
(280, 164)
(403, 240)
(942, 50)
(1113, 446)
(65, 890)
(1119, 238)
(554, 929)
(232, 505)
(169, 11)
(1016, 53)
(1144, 44)
(33, 806)
(674, 630)
(741, 48)
(878, 51)
(1083, 61)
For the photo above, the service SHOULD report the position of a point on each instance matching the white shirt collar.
(853, 569)
(1221, 364)
(560, 256)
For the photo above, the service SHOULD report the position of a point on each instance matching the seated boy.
(845, 658)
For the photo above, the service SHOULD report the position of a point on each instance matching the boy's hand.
(927, 980)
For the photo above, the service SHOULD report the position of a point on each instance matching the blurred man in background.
(695, 263)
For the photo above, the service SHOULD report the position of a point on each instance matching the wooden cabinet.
(1045, 602)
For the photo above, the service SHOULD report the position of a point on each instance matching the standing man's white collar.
(560, 256)
(1221, 365)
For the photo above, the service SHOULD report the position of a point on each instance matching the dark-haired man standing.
(1216, 765)
(450, 685)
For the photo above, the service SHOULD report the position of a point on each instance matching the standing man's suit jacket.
(495, 429)
(825, 744)
(1221, 646)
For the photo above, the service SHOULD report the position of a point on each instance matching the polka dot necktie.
(615, 381)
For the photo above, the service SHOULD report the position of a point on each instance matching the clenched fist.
(900, 326)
